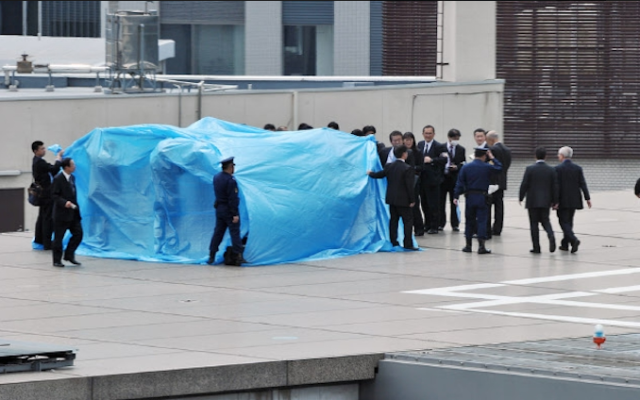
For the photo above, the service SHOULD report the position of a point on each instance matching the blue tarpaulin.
(146, 192)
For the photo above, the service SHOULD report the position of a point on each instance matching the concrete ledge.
(200, 381)
(69, 389)
(228, 378)
(330, 370)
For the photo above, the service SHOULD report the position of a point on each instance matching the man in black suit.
(66, 214)
(386, 155)
(431, 177)
(480, 137)
(43, 174)
(503, 154)
(456, 159)
(400, 196)
(540, 186)
(572, 187)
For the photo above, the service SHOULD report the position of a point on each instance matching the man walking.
(435, 158)
(66, 214)
(43, 174)
(502, 153)
(572, 187)
(227, 204)
(474, 181)
(540, 186)
(400, 195)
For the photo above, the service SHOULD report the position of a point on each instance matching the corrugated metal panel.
(572, 72)
(375, 41)
(202, 12)
(307, 12)
(71, 18)
(409, 38)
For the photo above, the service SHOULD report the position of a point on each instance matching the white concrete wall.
(352, 38)
(63, 119)
(52, 50)
(469, 40)
(263, 33)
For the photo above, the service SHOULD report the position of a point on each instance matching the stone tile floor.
(127, 316)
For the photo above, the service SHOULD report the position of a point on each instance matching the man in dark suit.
(572, 187)
(456, 159)
(431, 177)
(400, 195)
(66, 214)
(503, 154)
(540, 186)
(43, 174)
(386, 155)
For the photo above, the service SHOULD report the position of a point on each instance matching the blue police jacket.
(476, 176)
(225, 188)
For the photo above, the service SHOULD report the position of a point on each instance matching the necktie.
(72, 181)
(451, 153)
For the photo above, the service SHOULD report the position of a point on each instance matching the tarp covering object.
(146, 192)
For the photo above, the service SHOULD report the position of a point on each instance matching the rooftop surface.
(127, 317)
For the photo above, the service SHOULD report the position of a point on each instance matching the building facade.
(353, 38)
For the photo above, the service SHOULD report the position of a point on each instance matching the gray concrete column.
(469, 40)
(263, 38)
(351, 51)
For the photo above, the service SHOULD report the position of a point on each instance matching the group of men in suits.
(58, 205)
(562, 189)
(437, 166)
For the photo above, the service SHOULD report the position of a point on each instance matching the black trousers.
(539, 216)
(224, 220)
(447, 188)
(430, 197)
(565, 217)
(406, 213)
(44, 224)
(60, 228)
(418, 223)
(497, 201)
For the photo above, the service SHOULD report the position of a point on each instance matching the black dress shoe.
(441, 228)
(564, 248)
(574, 246)
(432, 231)
(552, 246)
(73, 261)
(534, 251)
(411, 248)
(419, 234)
(58, 264)
(456, 229)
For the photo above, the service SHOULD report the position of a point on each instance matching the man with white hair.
(572, 187)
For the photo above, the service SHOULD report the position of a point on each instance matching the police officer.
(473, 181)
(225, 188)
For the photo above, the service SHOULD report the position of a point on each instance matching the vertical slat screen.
(572, 72)
(409, 38)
